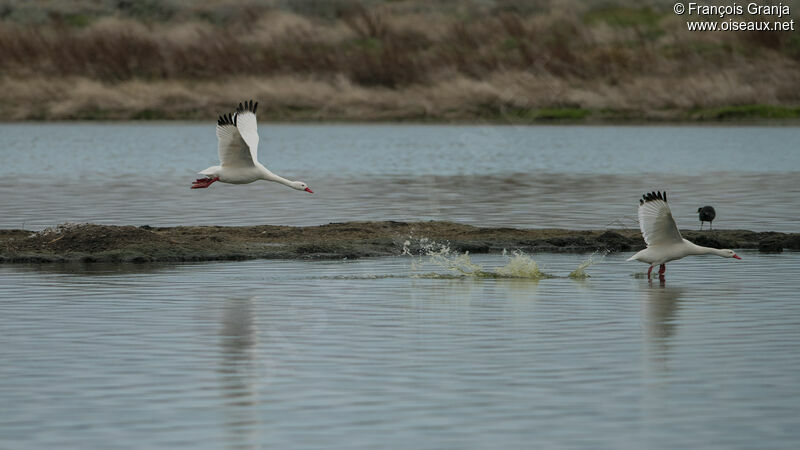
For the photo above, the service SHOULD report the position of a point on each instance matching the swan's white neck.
(269, 176)
(700, 250)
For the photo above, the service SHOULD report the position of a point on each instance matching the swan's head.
(729, 254)
(300, 186)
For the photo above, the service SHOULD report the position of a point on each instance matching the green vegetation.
(622, 16)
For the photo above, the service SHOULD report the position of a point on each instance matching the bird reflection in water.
(240, 371)
(660, 307)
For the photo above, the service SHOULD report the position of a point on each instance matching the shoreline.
(351, 240)
(599, 122)
(750, 115)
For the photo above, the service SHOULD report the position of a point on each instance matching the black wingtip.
(247, 105)
(230, 118)
(224, 120)
(655, 195)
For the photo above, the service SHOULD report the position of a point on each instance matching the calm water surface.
(544, 176)
(360, 354)
(372, 353)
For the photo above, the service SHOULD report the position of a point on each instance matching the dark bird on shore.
(706, 214)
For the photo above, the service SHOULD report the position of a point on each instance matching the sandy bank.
(90, 243)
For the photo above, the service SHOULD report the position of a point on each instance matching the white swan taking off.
(664, 241)
(238, 153)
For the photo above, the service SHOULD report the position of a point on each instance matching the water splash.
(580, 272)
(435, 252)
(521, 265)
(460, 265)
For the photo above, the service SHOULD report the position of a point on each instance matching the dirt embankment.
(90, 243)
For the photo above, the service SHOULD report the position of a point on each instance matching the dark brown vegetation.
(514, 60)
(89, 242)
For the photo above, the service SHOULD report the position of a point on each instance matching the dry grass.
(398, 60)
(502, 96)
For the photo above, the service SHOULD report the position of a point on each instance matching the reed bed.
(516, 61)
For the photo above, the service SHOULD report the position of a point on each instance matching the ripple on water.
(287, 352)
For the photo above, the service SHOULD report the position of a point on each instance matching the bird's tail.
(211, 171)
(635, 257)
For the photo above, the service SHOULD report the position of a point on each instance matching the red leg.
(201, 183)
(648, 272)
(662, 269)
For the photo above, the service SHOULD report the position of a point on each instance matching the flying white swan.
(664, 241)
(238, 153)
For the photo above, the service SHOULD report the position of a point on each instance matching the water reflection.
(82, 269)
(313, 352)
(240, 372)
(661, 304)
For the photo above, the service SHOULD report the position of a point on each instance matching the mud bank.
(102, 243)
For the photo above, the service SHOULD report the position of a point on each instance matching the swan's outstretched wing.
(655, 220)
(247, 126)
(233, 150)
